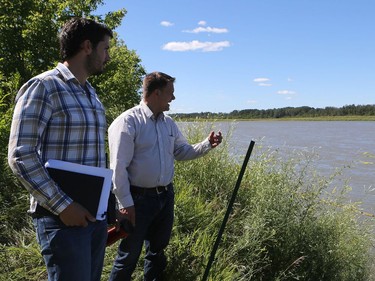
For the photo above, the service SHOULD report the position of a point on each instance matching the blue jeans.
(153, 225)
(71, 253)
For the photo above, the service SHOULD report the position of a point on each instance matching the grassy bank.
(288, 223)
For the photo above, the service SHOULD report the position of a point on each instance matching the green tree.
(29, 28)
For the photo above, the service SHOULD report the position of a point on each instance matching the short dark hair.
(155, 80)
(76, 31)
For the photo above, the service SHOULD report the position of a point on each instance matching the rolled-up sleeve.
(183, 150)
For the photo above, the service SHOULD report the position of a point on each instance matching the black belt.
(149, 190)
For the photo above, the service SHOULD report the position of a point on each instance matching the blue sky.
(247, 54)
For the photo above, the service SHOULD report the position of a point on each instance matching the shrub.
(286, 224)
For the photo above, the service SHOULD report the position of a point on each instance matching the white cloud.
(196, 46)
(202, 22)
(166, 23)
(207, 29)
(290, 80)
(286, 92)
(261, 80)
(265, 84)
(251, 101)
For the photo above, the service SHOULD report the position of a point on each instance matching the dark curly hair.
(76, 31)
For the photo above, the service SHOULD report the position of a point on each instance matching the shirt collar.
(65, 72)
(148, 111)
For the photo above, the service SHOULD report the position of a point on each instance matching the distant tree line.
(285, 112)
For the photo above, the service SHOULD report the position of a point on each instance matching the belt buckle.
(164, 188)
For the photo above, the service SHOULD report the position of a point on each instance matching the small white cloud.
(202, 22)
(251, 101)
(196, 46)
(265, 84)
(261, 80)
(290, 80)
(286, 92)
(166, 23)
(207, 29)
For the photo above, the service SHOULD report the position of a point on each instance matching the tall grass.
(288, 223)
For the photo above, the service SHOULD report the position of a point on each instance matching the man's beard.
(92, 64)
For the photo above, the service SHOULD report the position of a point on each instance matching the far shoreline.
(319, 118)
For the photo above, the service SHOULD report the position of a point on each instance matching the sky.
(255, 54)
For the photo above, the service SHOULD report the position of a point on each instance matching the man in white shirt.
(143, 143)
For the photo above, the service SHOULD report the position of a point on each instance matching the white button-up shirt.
(143, 150)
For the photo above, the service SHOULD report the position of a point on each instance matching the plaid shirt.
(54, 119)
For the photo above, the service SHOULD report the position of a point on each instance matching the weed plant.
(287, 223)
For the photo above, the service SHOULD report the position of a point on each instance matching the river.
(338, 144)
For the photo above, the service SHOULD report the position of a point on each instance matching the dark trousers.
(153, 226)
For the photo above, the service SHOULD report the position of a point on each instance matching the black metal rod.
(229, 209)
